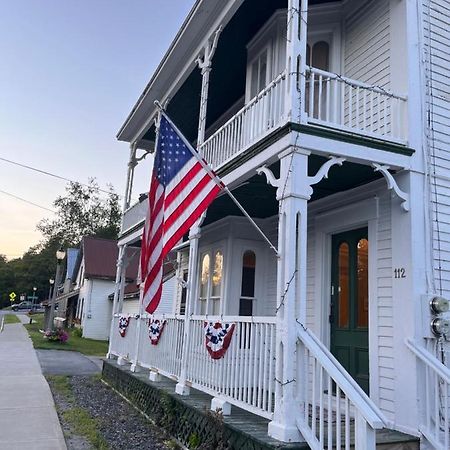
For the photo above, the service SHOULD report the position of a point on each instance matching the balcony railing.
(134, 215)
(338, 102)
(263, 114)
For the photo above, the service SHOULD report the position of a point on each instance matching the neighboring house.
(95, 273)
(344, 107)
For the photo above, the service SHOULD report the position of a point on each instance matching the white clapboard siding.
(385, 308)
(436, 19)
(366, 47)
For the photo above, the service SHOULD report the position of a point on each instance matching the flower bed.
(56, 336)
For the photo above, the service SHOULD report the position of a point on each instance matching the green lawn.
(76, 344)
(11, 318)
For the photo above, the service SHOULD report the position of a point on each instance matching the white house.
(95, 271)
(343, 107)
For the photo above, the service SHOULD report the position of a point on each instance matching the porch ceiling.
(258, 198)
(227, 82)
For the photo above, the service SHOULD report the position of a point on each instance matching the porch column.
(293, 194)
(118, 291)
(182, 388)
(132, 163)
(296, 59)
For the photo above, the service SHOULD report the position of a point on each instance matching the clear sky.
(70, 72)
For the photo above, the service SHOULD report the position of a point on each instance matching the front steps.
(190, 420)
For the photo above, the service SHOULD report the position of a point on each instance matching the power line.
(50, 174)
(26, 201)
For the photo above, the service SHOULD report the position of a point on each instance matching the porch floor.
(246, 428)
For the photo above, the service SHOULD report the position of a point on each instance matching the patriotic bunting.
(218, 338)
(155, 329)
(124, 321)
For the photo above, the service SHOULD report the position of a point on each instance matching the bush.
(77, 332)
(56, 336)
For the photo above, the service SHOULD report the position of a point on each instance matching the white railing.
(245, 375)
(335, 413)
(350, 105)
(263, 114)
(165, 357)
(435, 424)
(123, 347)
(134, 215)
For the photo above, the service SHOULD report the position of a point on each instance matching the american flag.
(182, 187)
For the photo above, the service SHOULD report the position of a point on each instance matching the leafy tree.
(82, 212)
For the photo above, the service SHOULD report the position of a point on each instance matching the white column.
(118, 289)
(293, 194)
(182, 387)
(296, 59)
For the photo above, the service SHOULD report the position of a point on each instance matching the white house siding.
(97, 309)
(385, 308)
(436, 15)
(367, 42)
(130, 307)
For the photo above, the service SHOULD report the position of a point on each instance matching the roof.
(100, 258)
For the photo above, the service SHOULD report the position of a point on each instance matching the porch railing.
(245, 375)
(350, 105)
(165, 357)
(435, 422)
(123, 347)
(263, 114)
(334, 411)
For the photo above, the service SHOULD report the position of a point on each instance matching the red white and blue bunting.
(124, 321)
(218, 338)
(155, 329)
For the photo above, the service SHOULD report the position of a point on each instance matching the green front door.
(349, 315)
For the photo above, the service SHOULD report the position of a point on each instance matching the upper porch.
(330, 70)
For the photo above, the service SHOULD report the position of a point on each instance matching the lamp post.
(51, 281)
(60, 255)
(34, 297)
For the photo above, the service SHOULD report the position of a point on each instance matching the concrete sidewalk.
(28, 418)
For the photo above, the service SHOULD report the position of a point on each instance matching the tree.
(82, 212)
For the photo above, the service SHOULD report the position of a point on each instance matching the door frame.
(333, 221)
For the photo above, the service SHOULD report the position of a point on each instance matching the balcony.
(331, 101)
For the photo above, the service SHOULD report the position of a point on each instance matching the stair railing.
(335, 413)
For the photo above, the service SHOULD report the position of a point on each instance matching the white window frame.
(208, 310)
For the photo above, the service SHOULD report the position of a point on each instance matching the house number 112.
(400, 272)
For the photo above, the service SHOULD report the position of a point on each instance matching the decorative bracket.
(204, 63)
(323, 171)
(310, 181)
(275, 182)
(392, 185)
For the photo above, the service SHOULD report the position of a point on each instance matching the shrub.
(77, 332)
(56, 336)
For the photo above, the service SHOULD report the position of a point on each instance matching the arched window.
(211, 283)
(247, 284)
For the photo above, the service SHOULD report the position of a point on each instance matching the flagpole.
(217, 180)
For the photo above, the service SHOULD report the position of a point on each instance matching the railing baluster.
(311, 95)
(330, 416)
(321, 411)
(338, 418)
(313, 398)
(327, 99)
(320, 99)
(335, 100)
(347, 424)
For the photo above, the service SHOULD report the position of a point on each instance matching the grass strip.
(89, 347)
(79, 420)
(11, 318)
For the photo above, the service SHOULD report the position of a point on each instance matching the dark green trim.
(352, 138)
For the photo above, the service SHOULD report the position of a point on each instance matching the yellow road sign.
(12, 296)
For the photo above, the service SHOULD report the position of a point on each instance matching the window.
(259, 74)
(211, 283)
(247, 284)
(183, 294)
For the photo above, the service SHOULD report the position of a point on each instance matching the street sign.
(12, 296)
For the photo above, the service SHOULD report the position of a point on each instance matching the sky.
(70, 72)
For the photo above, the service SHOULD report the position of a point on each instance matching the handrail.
(356, 83)
(429, 359)
(246, 107)
(242, 319)
(369, 411)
